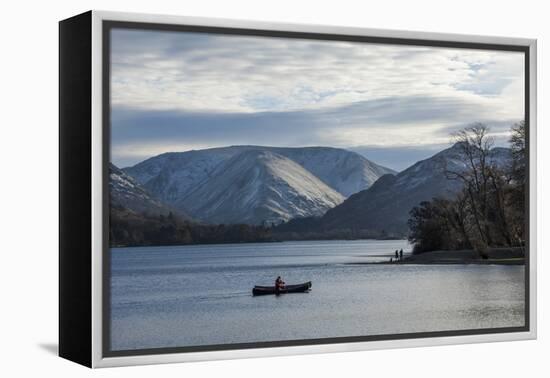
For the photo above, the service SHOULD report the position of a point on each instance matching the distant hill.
(383, 209)
(138, 219)
(255, 184)
(126, 193)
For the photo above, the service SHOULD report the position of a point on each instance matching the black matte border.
(75, 189)
(110, 25)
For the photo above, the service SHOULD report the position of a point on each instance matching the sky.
(178, 91)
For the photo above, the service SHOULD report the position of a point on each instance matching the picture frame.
(85, 148)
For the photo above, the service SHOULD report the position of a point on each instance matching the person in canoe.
(279, 284)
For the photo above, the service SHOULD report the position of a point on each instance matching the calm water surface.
(202, 295)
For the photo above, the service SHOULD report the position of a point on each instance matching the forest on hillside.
(128, 228)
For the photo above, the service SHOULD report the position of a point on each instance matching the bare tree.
(499, 189)
(460, 217)
(517, 145)
(518, 176)
(489, 211)
(475, 145)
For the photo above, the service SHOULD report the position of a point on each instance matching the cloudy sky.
(176, 91)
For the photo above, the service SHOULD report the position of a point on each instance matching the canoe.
(266, 290)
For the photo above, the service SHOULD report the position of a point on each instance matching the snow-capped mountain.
(260, 186)
(386, 204)
(345, 171)
(127, 194)
(283, 182)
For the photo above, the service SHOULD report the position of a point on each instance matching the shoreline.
(495, 256)
(243, 242)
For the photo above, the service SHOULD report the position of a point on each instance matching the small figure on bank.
(396, 254)
(401, 254)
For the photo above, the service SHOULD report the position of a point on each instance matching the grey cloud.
(135, 127)
(153, 69)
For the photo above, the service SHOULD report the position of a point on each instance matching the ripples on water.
(201, 295)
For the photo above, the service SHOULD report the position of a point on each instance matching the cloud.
(206, 72)
(399, 122)
(174, 91)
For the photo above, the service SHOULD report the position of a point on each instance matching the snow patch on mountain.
(126, 193)
(260, 187)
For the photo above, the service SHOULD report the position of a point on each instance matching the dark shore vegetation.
(128, 228)
(280, 234)
(489, 212)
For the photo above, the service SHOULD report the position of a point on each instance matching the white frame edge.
(97, 197)
(97, 191)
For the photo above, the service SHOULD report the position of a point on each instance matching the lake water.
(202, 295)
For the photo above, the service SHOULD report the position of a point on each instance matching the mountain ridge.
(384, 207)
(174, 177)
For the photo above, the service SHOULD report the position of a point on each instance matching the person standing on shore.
(396, 255)
(401, 254)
